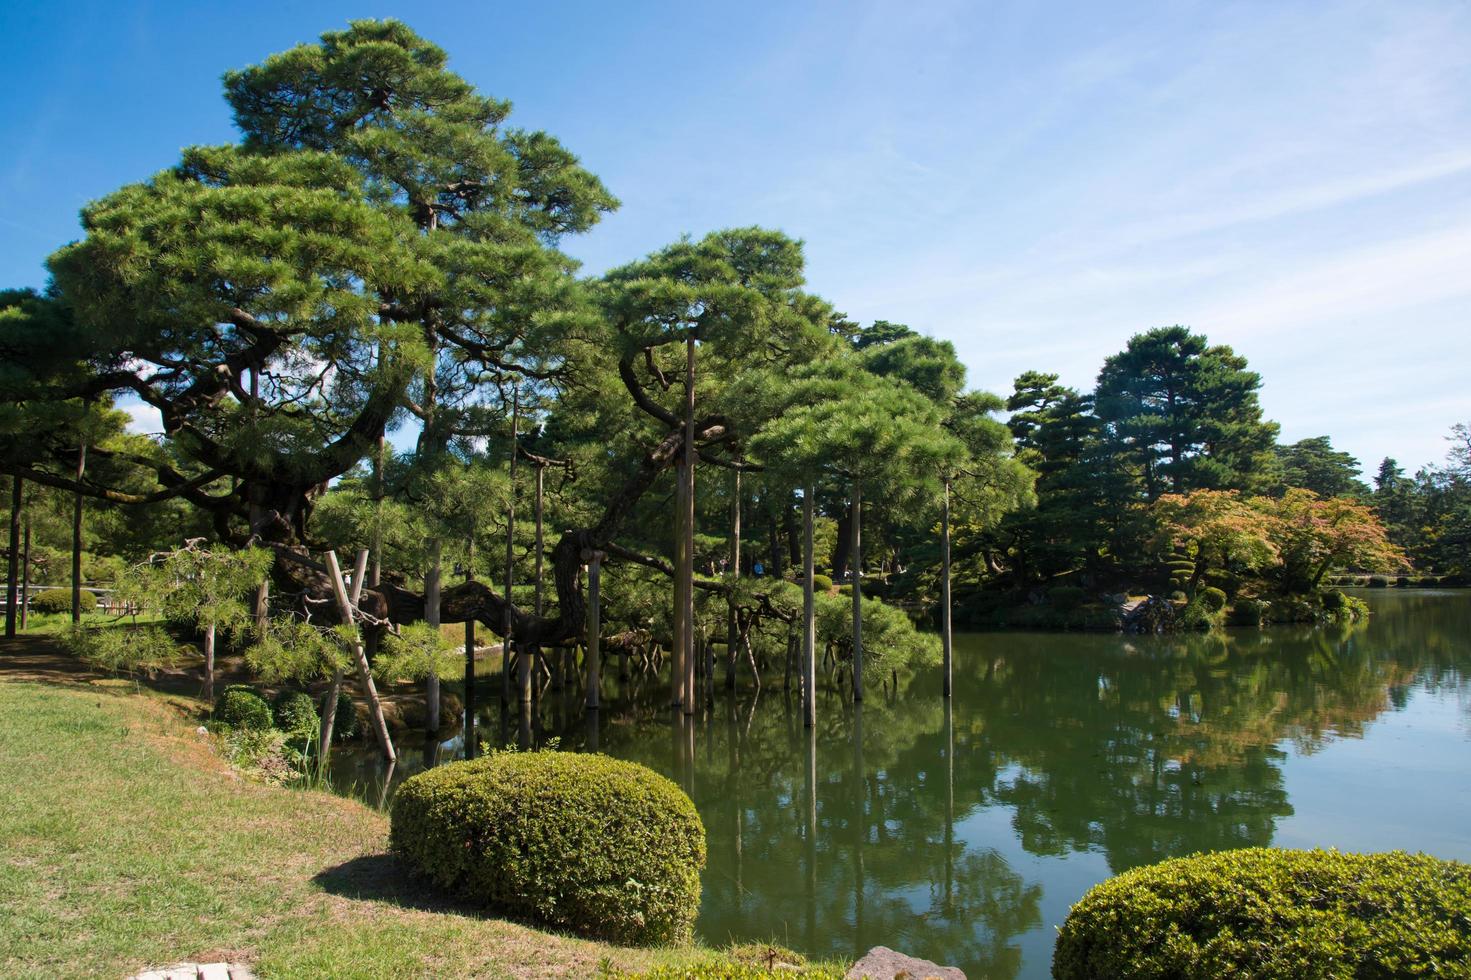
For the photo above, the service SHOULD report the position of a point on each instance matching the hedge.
(295, 713)
(601, 847)
(1269, 914)
(241, 706)
(60, 601)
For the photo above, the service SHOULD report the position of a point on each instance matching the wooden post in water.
(594, 628)
(946, 640)
(348, 612)
(77, 536)
(855, 564)
(809, 616)
(735, 569)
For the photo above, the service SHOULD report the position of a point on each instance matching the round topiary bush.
(1268, 913)
(60, 601)
(602, 847)
(1378, 582)
(821, 583)
(1213, 598)
(241, 706)
(295, 712)
(1249, 612)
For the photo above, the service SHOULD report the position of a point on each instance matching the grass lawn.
(125, 842)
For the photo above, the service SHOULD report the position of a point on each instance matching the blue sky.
(1035, 182)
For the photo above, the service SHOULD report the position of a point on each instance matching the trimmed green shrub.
(241, 706)
(60, 601)
(1378, 582)
(1213, 598)
(1268, 913)
(295, 713)
(822, 583)
(345, 725)
(602, 847)
(1402, 582)
(1248, 612)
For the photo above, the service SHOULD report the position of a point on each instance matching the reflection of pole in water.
(523, 717)
(949, 809)
(860, 828)
(733, 740)
(811, 839)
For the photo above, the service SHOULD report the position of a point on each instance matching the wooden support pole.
(329, 710)
(855, 562)
(431, 618)
(510, 543)
(809, 616)
(77, 537)
(470, 745)
(946, 639)
(540, 548)
(689, 526)
(735, 569)
(594, 629)
(348, 612)
(25, 577)
(12, 574)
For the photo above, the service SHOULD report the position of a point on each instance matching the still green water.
(963, 832)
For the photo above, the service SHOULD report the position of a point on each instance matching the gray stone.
(883, 963)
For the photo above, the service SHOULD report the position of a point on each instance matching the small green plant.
(60, 601)
(241, 706)
(1273, 914)
(125, 650)
(1249, 612)
(614, 851)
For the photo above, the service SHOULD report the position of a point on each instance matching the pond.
(963, 832)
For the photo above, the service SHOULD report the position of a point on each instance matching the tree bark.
(77, 538)
(509, 620)
(12, 577)
(855, 561)
(209, 663)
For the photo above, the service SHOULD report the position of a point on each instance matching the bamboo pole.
(594, 629)
(809, 616)
(689, 526)
(365, 675)
(329, 710)
(431, 617)
(855, 563)
(12, 575)
(946, 638)
(510, 556)
(77, 536)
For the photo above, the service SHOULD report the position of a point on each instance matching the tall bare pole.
(365, 674)
(689, 525)
(735, 569)
(261, 604)
(431, 618)
(77, 536)
(470, 707)
(510, 544)
(540, 548)
(946, 639)
(855, 563)
(680, 652)
(12, 577)
(25, 577)
(594, 629)
(809, 616)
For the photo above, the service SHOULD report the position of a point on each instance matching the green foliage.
(1213, 598)
(1249, 612)
(241, 706)
(1378, 582)
(202, 586)
(418, 651)
(1273, 914)
(295, 713)
(126, 650)
(821, 582)
(606, 848)
(295, 651)
(346, 725)
(60, 601)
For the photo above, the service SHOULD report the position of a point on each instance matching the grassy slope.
(125, 843)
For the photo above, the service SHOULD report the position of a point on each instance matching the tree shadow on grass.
(385, 878)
